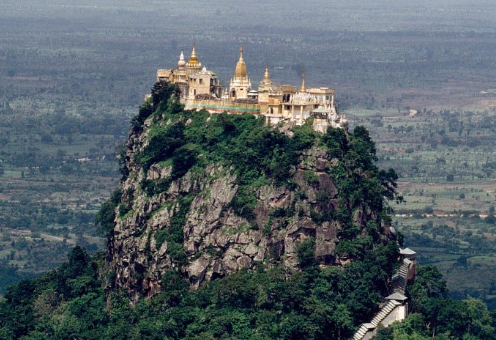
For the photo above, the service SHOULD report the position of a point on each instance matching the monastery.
(201, 89)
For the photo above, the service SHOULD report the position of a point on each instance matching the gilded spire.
(193, 60)
(266, 74)
(241, 71)
(303, 87)
(193, 52)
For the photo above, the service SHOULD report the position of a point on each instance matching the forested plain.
(73, 75)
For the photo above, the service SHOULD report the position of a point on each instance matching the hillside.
(224, 228)
(209, 195)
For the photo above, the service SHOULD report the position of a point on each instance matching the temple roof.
(407, 251)
(397, 297)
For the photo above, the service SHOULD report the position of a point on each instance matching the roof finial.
(193, 52)
(241, 52)
(303, 88)
(266, 78)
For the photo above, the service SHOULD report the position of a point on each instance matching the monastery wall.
(219, 106)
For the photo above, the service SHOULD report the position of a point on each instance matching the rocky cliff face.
(195, 223)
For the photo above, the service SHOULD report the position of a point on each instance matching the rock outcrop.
(191, 226)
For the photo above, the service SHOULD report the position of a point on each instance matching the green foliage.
(310, 177)
(255, 149)
(360, 184)
(164, 96)
(184, 158)
(306, 254)
(52, 303)
(106, 215)
(174, 235)
(154, 187)
(122, 159)
(175, 289)
(268, 303)
(163, 145)
(260, 154)
(145, 111)
(257, 152)
(336, 142)
(244, 202)
(123, 210)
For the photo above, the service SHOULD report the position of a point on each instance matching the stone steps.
(399, 279)
(384, 312)
(398, 284)
(360, 333)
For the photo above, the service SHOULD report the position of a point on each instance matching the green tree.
(106, 215)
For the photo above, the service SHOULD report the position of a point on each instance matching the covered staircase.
(400, 278)
(395, 309)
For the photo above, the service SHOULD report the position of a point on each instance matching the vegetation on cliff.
(313, 297)
(207, 195)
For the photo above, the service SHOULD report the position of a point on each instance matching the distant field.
(446, 165)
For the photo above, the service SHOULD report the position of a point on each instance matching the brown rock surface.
(218, 242)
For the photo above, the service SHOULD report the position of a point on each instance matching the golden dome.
(193, 60)
(241, 71)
